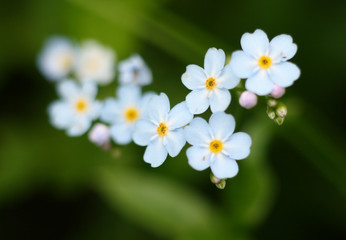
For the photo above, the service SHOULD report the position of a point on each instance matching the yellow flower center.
(265, 62)
(215, 146)
(65, 61)
(210, 84)
(162, 129)
(131, 114)
(92, 64)
(81, 105)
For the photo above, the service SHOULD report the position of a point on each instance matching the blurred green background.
(293, 186)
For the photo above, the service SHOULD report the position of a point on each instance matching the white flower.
(57, 58)
(265, 64)
(209, 85)
(95, 63)
(215, 145)
(161, 130)
(77, 108)
(124, 112)
(134, 71)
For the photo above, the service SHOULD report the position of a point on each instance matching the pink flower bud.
(100, 135)
(278, 91)
(248, 100)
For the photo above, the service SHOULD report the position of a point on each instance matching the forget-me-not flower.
(209, 85)
(215, 145)
(265, 63)
(161, 129)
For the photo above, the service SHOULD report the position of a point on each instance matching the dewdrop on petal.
(278, 91)
(248, 99)
(100, 135)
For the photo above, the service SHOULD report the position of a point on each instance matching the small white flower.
(209, 85)
(134, 71)
(100, 135)
(264, 63)
(95, 63)
(77, 108)
(57, 58)
(124, 112)
(161, 130)
(215, 145)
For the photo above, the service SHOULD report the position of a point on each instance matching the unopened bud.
(248, 100)
(279, 120)
(272, 103)
(281, 110)
(271, 113)
(278, 91)
(100, 135)
(219, 183)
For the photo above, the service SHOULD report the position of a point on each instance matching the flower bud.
(270, 112)
(219, 183)
(279, 120)
(278, 91)
(281, 110)
(248, 100)
(100, 135)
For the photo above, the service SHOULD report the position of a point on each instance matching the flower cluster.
(148, 119)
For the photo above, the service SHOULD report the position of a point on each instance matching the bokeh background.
(293, 186)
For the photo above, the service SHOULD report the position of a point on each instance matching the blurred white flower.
(100, 135)
(265, 63)
(134, 71)
(161, 130)
(76, 109)
(57, 58)
(215, 145)
(95, 63)
(124, 112)
(209, 85)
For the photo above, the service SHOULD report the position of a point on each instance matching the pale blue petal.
(194, 77)
(284, 74)
(260, 83)
(121, 133)
(155, 153)
(197, 101)
(79, 127)
(144, 132)
(227, 78)
(111, 111)
(95, 110)
(238, 146)
(198, 132)
(255, 44)
(242, 64)
(89, 89)
(129, 94)
(222, 125)
(174, 142)
(219, 100)
(68, 89)
(223, 167)
(214, 61)
(61, 114)
(158, 108)
(198, 158)
(179, 116)
(282, 48)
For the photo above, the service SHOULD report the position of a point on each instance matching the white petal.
(158, 108)
(227, 78)
(242, 64)
(238, 146)
(179, 116)
(282, 48)
(194, 77)
(89, 89)
(214, 61)
(144, 103)
(95, 110)
(129, 94)
(222, 125)
(224, 167)
(219, 100)
(284, 74)
(110, 111)
(68, 89)
(175, 141)
(122, 133)
(197, 101)
(255, 44)
(61, 115)
(259, 83)
(79, 127)
(144, 132)
(198, 158)
(155, 153)
(197, 133)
